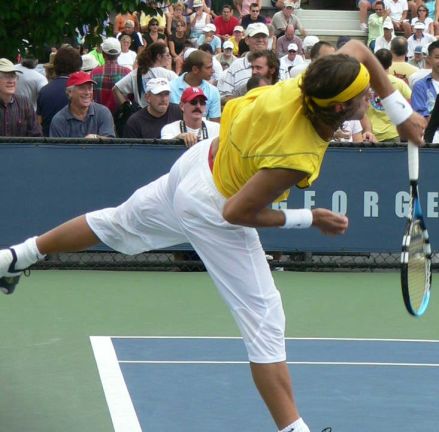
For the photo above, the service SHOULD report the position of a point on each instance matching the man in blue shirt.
(426, 89)
(82, 118)
(198, 71)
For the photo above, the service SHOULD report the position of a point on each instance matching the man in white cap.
(149, 121)
(237, 39)
(109, 74)
(418, 38)
(17, 115)
(284, 17)
(194, 127)
(210, 37)
(308, 44)
(288, 38)
(385, 40)
(226, 58)
(288, 61)
(240, 71)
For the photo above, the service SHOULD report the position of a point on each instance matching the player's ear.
(339, 108)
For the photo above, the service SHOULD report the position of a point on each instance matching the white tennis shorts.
(185, 206)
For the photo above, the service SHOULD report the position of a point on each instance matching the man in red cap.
(82, 117)
(193, 127)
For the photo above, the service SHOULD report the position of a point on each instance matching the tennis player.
(219, 191)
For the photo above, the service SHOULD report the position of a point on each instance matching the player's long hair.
(325, 78)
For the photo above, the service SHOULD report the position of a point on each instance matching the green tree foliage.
(36, 25)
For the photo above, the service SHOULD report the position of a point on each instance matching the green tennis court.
(49, 376)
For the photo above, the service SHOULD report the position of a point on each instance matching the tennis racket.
(416, 249)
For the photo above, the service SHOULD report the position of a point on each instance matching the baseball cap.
(111, 46)
(388, 25)
(7, 66)
(310, 41)
(238, 28)
(89, 62)
(79, 78)
(209, 28)
(257, 28)
(157, 85)
(288, 4)
(419, 26)
(418, 49)
(197, 3)
(228, 44)
(293, 47)
(191, 93)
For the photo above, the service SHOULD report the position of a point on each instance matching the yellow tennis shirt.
(266, 128)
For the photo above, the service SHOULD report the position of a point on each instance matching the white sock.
(298, 426)
(27, 253)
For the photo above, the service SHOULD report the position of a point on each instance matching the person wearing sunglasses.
(422, 16)
(194, 127)
(376, 23)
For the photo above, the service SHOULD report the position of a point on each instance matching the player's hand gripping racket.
(416, 249)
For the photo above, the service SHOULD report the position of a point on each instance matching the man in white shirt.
(287, 62)
(193, 127)
(397, 10)
(418, 38)
(385, 40)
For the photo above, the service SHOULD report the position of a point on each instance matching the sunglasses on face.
(197, 101)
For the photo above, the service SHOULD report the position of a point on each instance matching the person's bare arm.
(249, 206)
(413, 127)
(120, 97)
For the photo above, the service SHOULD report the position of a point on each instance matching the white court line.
(119, 402)
(287, 338)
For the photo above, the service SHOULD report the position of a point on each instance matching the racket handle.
(413, 160)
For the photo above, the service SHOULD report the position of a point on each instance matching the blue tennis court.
(204, 383)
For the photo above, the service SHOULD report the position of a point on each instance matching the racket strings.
(418, 267)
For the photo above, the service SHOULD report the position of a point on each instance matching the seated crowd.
(168, 76)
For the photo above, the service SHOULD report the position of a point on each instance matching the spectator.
(89, 62)
(382, 127)
(136, 38)
(422, 16)
(240, 71)
(152, 62)
(127, 57)
(209, 37)
(120, 21)
(153, 34)
(364, 6)
(286, 40)
(397, 10)
(284, 17)
(264, 64)
(96, 52)
(155, 11)
(193, 128)
(384, 41)
(225, 23)
(105, 77)
(425, 90)
(17, 115)
(198, 71)
(226, 57)
(216, 65)
(418, 59)
(376, 24)
(310, 53)
(419, 38)
(272, 39)
(400, 68)
(288, 61)
(256, 81)
(421, 73)
(31, 81)
(52, 97)
(149, 121)
(244, 7)
(238, 34)
(82, 118)
(173, 17)
(199, 19)
(254, 16)
(177, 42)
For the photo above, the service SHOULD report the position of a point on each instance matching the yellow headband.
(354, 89)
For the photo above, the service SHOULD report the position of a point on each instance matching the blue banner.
(43, 185)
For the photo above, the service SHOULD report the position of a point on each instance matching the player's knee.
(263, 331)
